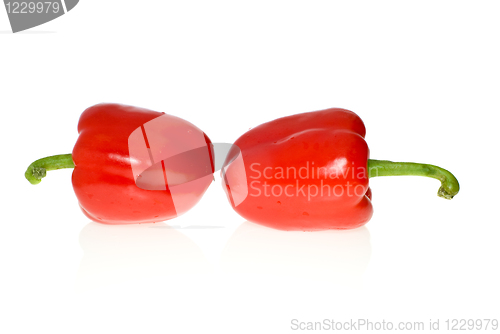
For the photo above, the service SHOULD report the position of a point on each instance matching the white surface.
(424, 77)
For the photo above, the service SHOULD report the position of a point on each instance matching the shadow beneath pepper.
(115, 254)
(338, 256)
(189, 227)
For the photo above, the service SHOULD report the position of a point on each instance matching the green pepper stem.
(38, 169)
(449, 183)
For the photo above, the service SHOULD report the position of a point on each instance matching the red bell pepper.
(120, 175)
(310, 172)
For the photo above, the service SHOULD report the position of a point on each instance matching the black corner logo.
(28, 14)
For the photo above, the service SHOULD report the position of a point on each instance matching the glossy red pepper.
(120, 147)
(310, 172)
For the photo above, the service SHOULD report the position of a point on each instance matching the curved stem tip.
(38, 169)
(449, 183)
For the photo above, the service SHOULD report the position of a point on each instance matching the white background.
(424, 77)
